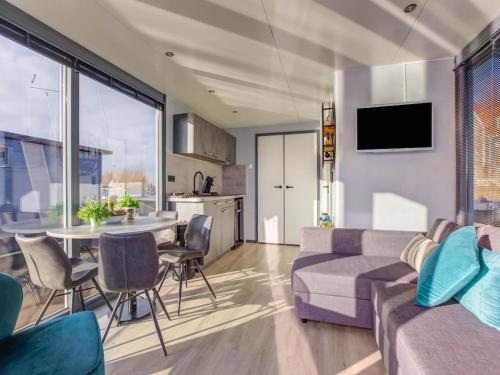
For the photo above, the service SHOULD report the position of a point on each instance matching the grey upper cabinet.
(196, 137)
(220, 144)
(230, 149)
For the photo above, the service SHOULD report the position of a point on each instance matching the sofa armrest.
(355, 241)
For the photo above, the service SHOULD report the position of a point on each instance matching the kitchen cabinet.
(198, 138)
(229, 149)
(227, 227)
(223, 216)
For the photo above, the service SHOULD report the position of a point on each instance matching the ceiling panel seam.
(282, 65)
(409, 32)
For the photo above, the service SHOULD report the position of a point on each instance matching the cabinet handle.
(278, 186)
(219, 203)
(289, 187)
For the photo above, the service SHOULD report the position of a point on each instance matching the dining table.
(138, 307)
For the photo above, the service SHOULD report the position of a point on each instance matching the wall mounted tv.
(395, 127)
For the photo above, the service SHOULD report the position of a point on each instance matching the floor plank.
(250, 329)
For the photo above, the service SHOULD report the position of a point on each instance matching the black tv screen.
(395, 127)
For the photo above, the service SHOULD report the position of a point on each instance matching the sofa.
(66, 345)
(355, 277)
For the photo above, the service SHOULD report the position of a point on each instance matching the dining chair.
(167, 236)
(129, 265)
(197, 244)
(49, 267)
(66, 345)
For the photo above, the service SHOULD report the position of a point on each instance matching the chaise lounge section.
(355, 277)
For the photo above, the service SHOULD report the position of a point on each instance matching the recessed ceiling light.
(211, 91)
(169, 54)
(235, 111)
(410, 8)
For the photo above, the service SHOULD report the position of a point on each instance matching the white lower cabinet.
(222, 233)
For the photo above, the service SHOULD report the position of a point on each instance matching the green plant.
(128, 202)
(93, 210)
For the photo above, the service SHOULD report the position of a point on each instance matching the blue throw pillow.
(482, 295)
(453, 265)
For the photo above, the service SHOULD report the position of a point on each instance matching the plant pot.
(92, 223)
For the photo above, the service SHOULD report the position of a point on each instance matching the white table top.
(31, 226)
(140, 224)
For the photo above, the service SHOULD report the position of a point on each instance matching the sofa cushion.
(417, 250)
(453, 265)
(447, 339)
(67, 345)
(482, 295)
(346, 276)
(441, 229)
(489, 237)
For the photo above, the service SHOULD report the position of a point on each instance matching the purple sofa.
(355, 277)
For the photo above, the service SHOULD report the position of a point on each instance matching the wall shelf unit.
(328, 133)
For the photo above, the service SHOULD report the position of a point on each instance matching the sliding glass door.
(31, 167)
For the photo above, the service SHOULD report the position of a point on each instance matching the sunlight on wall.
(394, 212)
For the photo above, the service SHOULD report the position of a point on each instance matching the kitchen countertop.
(200, 199)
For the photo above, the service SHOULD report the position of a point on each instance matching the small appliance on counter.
(207, 185)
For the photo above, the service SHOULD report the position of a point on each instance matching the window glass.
(483, 92)
(30, 161)
(118, 135)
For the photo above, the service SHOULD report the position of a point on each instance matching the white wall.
(245, 155)
(404, 191)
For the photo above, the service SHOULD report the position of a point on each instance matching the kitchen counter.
(201, 199)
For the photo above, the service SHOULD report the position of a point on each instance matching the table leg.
(138, 308)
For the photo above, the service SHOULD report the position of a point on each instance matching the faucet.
(195, 192)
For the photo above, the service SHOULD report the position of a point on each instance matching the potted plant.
(130, 204)
(93, 212)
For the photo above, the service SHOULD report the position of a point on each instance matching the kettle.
(207, 184)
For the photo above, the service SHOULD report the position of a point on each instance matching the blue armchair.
(66, 345)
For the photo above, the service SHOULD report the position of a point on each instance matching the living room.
(266, 187)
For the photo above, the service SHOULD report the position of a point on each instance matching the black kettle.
(207, 184)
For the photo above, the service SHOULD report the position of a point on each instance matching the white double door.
(287, 186)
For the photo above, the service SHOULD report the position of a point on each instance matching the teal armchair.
(66, 345)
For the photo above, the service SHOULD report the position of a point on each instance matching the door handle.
(289, 187)
(278, 186)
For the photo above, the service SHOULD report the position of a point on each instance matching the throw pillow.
(482, 295)
(417, 250)
(453, 265)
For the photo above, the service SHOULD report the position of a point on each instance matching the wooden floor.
(250, 329)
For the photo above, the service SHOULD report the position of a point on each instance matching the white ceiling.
(271, 60)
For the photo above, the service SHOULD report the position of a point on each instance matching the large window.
(30, 160)
(478, 82)
(118, 134)
(117, 126)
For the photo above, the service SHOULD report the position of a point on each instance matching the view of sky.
(30, 105)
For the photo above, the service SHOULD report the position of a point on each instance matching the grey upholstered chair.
(167, 236)
(197, 238)
(129, 265)
(49, 267)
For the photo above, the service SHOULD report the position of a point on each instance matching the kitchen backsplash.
(234, 179)
(184, 168)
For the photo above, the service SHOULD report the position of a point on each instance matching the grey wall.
(396, 190)
(245, 155)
